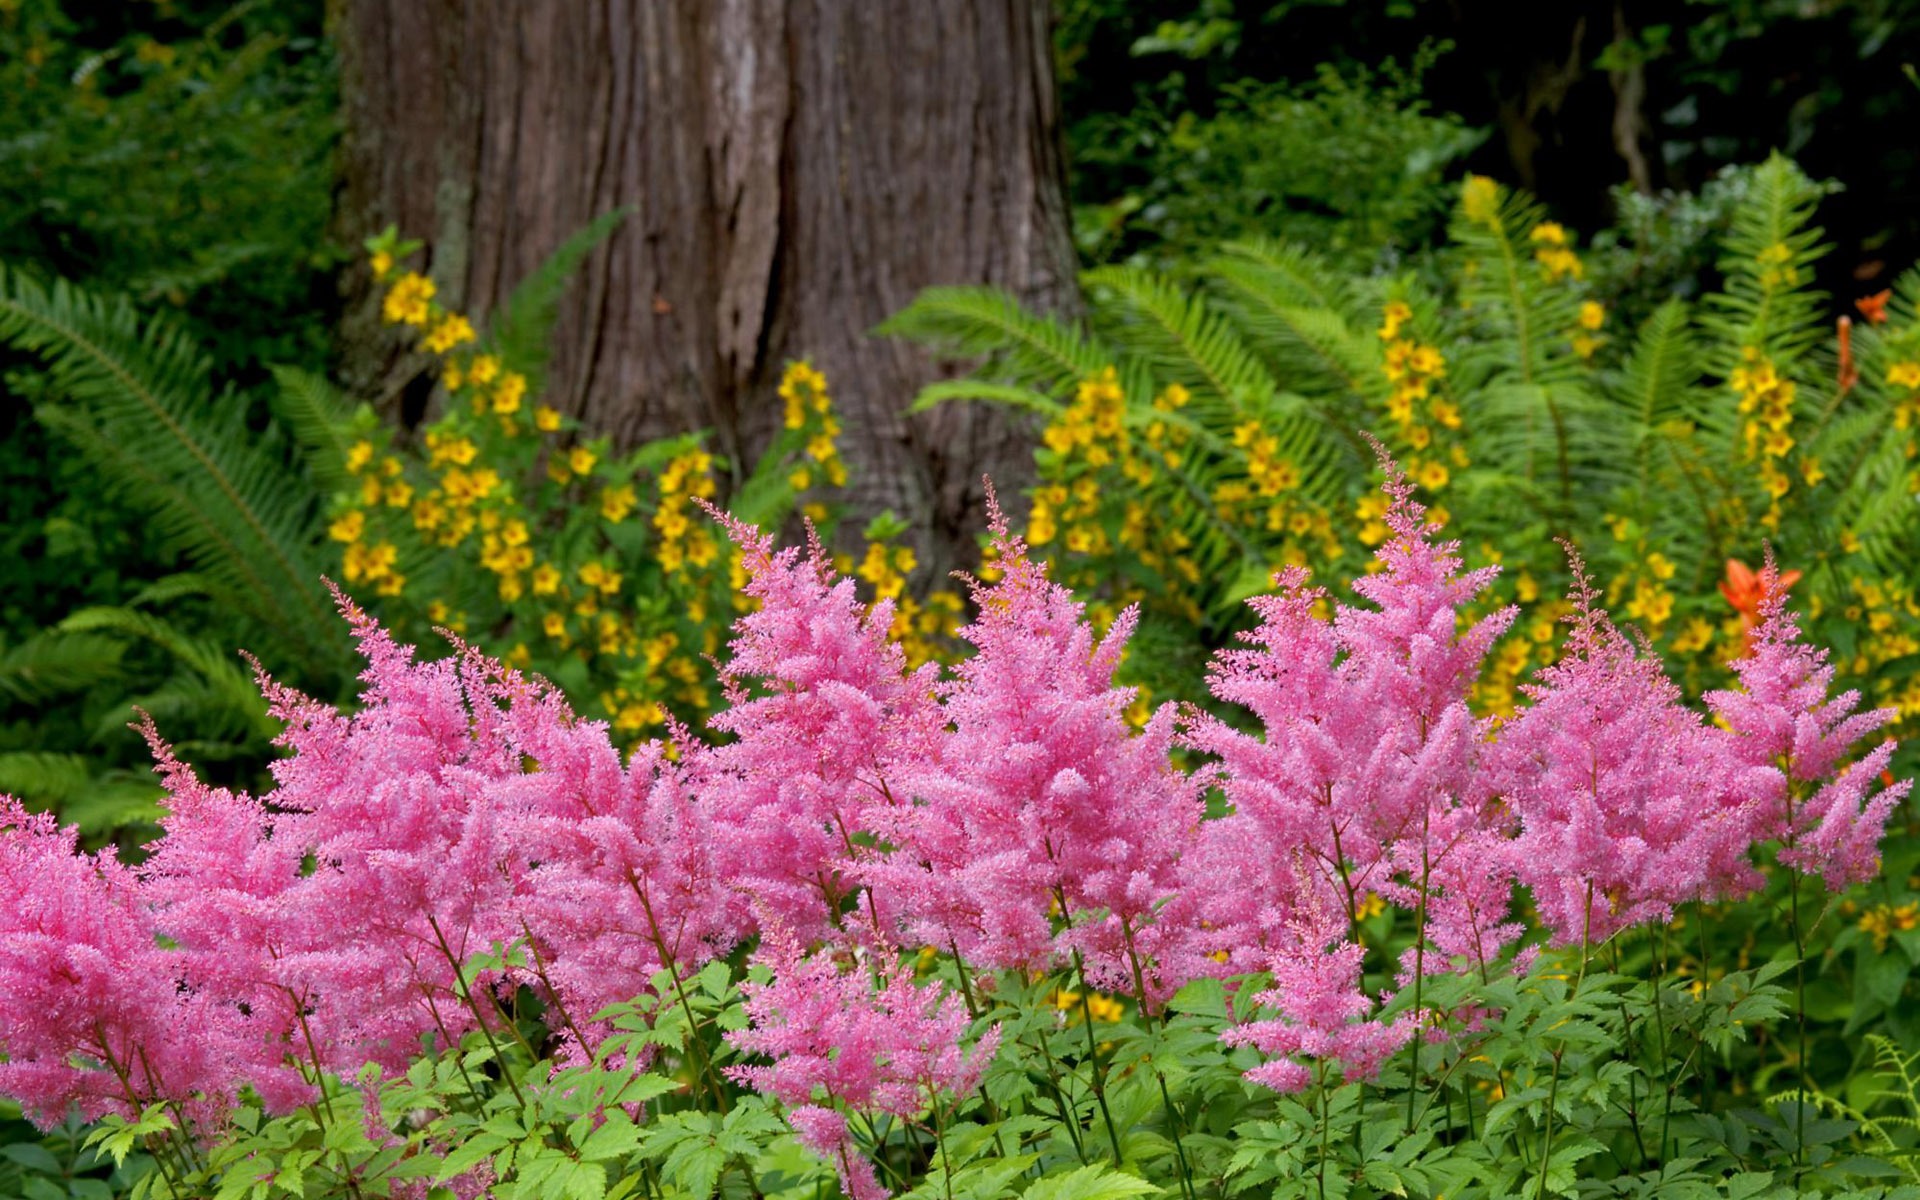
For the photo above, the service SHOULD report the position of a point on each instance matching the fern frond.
(1768, 303)
(1011, 395)
(1180, 336)
(134, 400)
(216, 679)
(98, 803)
(1046, 353)
(318, 417)
(51, 663)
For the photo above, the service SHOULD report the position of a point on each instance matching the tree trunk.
(798, 170)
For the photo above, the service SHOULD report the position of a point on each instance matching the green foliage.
(185, 161)
(1508, 390)
(1352, 163)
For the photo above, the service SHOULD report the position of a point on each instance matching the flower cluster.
(1766, 409)
(1551, 250)
(1415, 372)
(509, 524)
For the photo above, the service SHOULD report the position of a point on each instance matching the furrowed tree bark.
(798, 170)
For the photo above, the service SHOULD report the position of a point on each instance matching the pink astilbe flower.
(93, 1016)
(814, 756)
(1791, 737)
(405, 870)
(627, 881)
(1368, 777)
(1044, 801)
(1618, 786)
(835, 1036)
(218, 885)
(1322, 1016)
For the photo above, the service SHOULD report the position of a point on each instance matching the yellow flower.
(554, 624)
(359, 456)
(399, 494)
(409, 301)
(1904, 374)
(617, 502)
(369, 562)
(381, 262)
(349, 527)
(453, 330)
(1433, 476)
(1396, 314)
(581, 459)
(1550, 232)
(484, 369)
(803, 389)
(545, 419)
(512, 390)
(1480, 200)
(546, 579)
(1593, 315)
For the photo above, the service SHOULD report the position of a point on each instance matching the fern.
(98, 803)
(1045, 353)
(50, 664)
(1768, 302)
(317, 416)
(135, 401)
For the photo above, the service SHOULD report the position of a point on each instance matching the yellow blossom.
(409, 301)
(617, 502)
(348, 527)
(453, 330)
